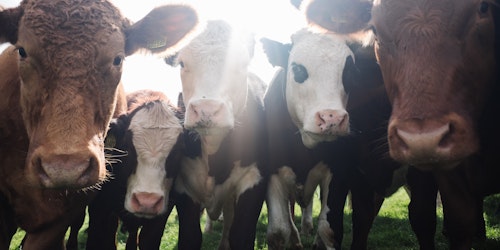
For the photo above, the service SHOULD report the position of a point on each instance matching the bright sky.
(274, 19)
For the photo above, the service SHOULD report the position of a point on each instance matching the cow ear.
(172, 60)
(161, 29)
(180, 107)
(9, 23)
(370, 74)
(350, 74)
(116, 131)
(296, 3)
(277, 53)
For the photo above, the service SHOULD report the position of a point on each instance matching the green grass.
(391, 229)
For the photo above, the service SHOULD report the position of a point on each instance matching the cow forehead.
(319, 50)
(421, 18)
(155, 115)
(79, 27)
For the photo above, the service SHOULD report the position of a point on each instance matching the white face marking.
(318, 104)
(214, 81)
(155, 131)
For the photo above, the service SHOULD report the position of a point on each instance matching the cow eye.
(117, 61)
(300, 74)
(22, 52)
(181, 63)
(484, 7)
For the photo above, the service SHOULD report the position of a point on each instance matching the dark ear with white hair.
(277, 53)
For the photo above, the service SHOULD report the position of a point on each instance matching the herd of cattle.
(367, 89)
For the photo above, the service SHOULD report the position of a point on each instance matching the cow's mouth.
(212, 137)
(311, 139)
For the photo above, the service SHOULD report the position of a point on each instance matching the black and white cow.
(148, 145)
(325, 116)
(224, 104)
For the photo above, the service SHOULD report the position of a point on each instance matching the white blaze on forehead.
(324, 57)
(155, 130)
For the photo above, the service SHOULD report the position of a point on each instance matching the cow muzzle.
(431, 143)
(68, 171)
(148, 205)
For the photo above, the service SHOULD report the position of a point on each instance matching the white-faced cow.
(439, 61)
(148, 145)
(58, 92)
(224, 104)
(325, 116)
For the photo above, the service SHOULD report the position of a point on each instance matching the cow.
(59, 90)
(326, 113)
(224, 104)
(439, 61)
(148, 143)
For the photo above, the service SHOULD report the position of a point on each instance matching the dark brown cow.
(148, 146)
(357, 161)
(438, 60)
(58, 91)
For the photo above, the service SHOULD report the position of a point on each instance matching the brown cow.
(58, 92)
(438, 60)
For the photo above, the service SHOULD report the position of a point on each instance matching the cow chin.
(212, 138)
(311, 140)
(429, 161)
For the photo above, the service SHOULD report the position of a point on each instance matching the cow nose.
(205, 110)
(147, 203)
(65, 170)
(421, 144)
(332, 121)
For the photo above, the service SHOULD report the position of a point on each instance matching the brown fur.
(59, 90)
(438, 63)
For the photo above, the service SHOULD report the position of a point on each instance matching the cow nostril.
(40, 171)
(446, 137)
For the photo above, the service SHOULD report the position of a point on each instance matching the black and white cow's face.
(214, 81)
(315, 94)
(155, 131)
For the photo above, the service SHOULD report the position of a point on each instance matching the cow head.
(315, 94)
(214, 71)
(150, 134)
(70, 62)
(339, 16)
(437, 60)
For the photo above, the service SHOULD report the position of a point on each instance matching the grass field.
(391, 229)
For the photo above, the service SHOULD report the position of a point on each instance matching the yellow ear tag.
(110, 141)
(156, 44)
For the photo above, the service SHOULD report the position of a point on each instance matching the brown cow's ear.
(9, 23)
(161, 29)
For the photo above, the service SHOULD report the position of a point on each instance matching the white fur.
(324, 56)
(281, 187)
(214, 75)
